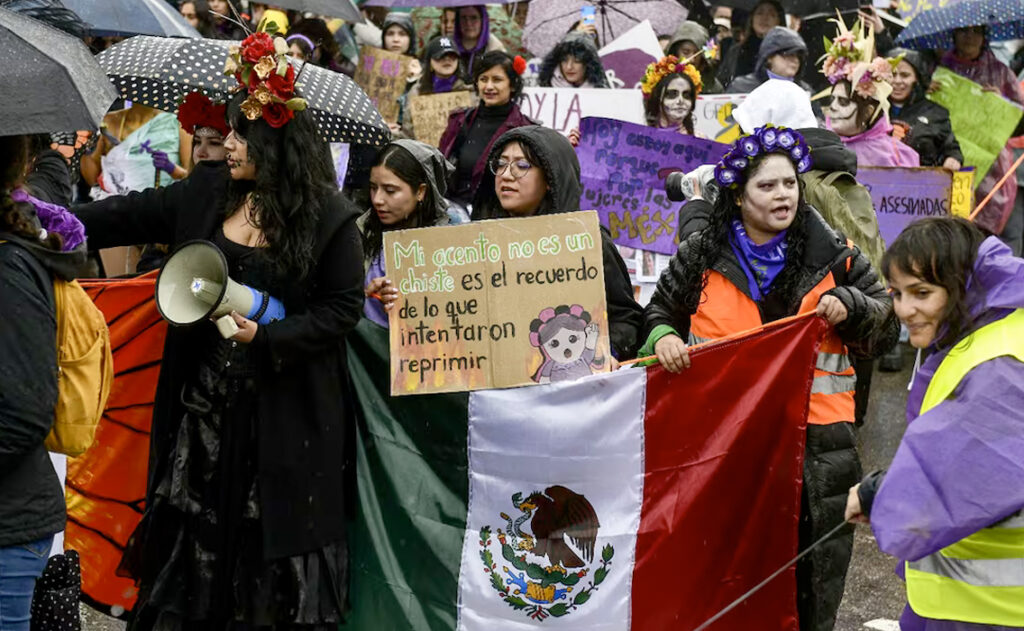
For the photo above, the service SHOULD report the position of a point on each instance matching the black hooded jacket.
(405, 21)
(930, 130)
(741, 58)
(778, 40)
(562, 172)
(581, 47)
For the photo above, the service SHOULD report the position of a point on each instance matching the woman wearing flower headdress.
(859, 112)
(764, 255)
(206, 122)
(245, 514)
(670, 90)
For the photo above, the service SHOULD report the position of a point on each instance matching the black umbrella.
(132, 17)
(159, 71)
(51, 81)
(50, 11)
(344, 9)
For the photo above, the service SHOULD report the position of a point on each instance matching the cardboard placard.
(382, 75)
(623, 167)
(712, 118)
(903, 195)
(562, 108)
(473, 295)
(430, 113)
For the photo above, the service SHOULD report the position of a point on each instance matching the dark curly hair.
(709, 244)
(294, 179)
(940, 251)
(16, 217)
(652, 106)
(499, 58)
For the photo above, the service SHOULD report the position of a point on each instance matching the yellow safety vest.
(980, 578)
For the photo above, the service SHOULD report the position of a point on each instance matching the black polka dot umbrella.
(160, 71)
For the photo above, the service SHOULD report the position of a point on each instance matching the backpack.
(846, 206)
(85, 369)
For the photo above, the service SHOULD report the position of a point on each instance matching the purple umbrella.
(434, 3)
(547, 22)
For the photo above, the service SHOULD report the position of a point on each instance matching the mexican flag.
(632, 500)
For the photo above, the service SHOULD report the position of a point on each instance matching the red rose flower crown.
(260, 65)
(196, 111)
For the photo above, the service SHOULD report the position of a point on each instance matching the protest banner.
(712, 117)
(499, 303)
(902, 195)
(430, 112)
(562, 108)
(982, 121)
(382, 74)
(623, 169)
(625, 59)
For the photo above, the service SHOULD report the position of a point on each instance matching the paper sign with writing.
(562, 108)
(623, 169)
(382, 75)
(982, 121)
(500, 303)
(430, 113)
(712, 117)
(902, 195)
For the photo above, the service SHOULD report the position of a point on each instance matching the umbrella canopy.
(934, 28)
(132, 17)
(160, 71)
(433, 3)
(50, 11)
(344, 9)
(548, 22)
(52, 82)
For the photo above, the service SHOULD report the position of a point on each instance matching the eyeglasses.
(518, 168)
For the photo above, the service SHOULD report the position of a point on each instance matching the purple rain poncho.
(960, 466)
(875, 147)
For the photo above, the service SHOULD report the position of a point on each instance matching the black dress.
(200, 540)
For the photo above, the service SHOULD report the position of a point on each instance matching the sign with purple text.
(902, 195)
(623, 169)
(382, 74)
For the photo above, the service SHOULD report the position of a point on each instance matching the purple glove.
(163, 163)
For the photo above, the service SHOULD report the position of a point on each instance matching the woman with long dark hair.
(670, 90)
(765, 255)
(197, 13)
(245, 518)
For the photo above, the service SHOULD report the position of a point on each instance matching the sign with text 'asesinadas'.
(903, 195)
(499, 303)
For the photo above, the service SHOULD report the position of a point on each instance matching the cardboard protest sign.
(562, 108)
(623, 169)
(902, 195)
(625, 59)
(430, 113)
(982, 121)
(712, 117)
(382, 75)
(499, 303)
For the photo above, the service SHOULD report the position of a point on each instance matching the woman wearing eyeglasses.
(535, 172)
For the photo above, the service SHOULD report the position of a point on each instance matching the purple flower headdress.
(730, 171)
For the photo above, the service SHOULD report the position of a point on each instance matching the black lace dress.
(198, 552)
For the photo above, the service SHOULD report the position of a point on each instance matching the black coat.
(304, 406)
(931, 132)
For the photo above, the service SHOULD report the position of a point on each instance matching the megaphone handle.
(227, 327)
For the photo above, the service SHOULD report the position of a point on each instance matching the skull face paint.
(676, 102)
(843, 111)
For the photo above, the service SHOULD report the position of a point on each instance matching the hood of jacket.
(485, 32)
(997, 280)
(437, 168)
(828, 151)
(780, 40)
(921, 67)
(64, 265)
(689, 31)
(557, 160)
(875, 147)
(405, 21)
(583, 48)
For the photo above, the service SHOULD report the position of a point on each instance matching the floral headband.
(666, 66)
(730, 172)
(260, 65)
(849, 57)
(197, 111)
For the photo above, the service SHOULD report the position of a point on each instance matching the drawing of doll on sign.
(567, 340)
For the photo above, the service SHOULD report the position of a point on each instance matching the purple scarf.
(761, 263)
(445, 84)
(481, 42)
(55, 218)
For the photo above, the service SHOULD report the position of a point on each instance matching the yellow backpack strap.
(1004, 337)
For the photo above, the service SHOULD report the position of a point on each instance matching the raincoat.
(875, 147)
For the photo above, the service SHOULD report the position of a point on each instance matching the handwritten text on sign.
(903, 195)
(429, 113)
(623, 169)
(381, 74)
(562, 108)
(494, 304)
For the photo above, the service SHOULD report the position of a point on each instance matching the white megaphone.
(193, 285)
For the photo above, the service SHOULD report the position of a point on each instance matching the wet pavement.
(874, 596)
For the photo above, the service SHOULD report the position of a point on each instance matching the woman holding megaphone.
(245, 505)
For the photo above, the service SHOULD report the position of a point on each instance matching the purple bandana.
(55, 218)
(761, 263)
(443, 84)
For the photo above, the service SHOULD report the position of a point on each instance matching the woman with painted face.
(245, 519)
(924, 124)
(670, 90)
(473, 35)
(471, 132)
(573, 63)
(741, 58)
(782, 56)
(971, 57)
(687, 41)
(951, 505)
(765, 255)
(407, 187)
(535, 172)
